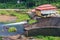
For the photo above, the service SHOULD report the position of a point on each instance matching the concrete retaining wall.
(45, 32)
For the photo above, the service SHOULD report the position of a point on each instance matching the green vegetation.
(3, 12)
(32, 21)
(11, 6)
(12, 29)
(26, 3)
(47, 37)
(0, 38)
(21, 15)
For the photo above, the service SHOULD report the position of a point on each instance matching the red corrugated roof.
(46, 7)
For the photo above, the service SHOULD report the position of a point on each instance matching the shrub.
(0, 38)
(12, 29)
(2, 13)
(32, 21)
(12, 14)
(22, 17)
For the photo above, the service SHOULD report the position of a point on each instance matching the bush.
(3, 12)
(22, 17)
(12, 29)
(12, 14)
(0, 38)
(11, 6)
(32, 21)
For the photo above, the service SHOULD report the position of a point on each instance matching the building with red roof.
(42, 10)
(46, 9)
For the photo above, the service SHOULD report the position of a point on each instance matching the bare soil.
(5, 18)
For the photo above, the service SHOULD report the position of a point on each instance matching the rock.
(14, 37)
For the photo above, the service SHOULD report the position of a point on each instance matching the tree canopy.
(30, 3)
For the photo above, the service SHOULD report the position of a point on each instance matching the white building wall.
(48, 11)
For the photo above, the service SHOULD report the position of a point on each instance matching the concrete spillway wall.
(44, 32)
(47, 26)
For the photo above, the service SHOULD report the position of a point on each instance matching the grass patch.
(12, 29)
(47, 37)
(21, 15)
(32, 21)
(0, 38)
